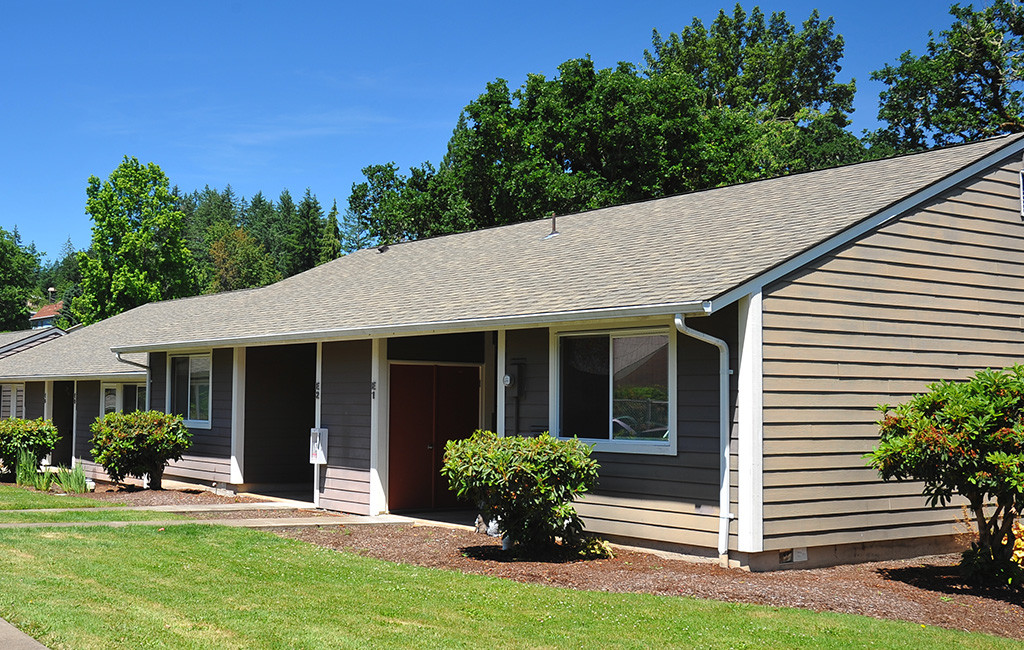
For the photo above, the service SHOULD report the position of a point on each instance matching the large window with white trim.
(615, 389)
(190, 388)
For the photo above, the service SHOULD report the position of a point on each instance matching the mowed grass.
(13, 497)
(201, 586)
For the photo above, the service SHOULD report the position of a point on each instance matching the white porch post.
(750, 403)
(378, 427)
(316, 416)
(237, 416)
(500, 384)
(48, 412)
(74, 424)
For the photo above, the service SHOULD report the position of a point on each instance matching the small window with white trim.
(615, 389)
(12, 401)
(190, 388)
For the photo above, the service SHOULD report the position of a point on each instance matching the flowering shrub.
(37, 436)
(526, 484)
(139, 443)
(965, 438)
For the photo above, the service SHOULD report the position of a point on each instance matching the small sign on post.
(318, 446)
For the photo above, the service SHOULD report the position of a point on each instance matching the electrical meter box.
(318, 446)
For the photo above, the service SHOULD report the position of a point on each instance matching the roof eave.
(430, 327)
(112, 376)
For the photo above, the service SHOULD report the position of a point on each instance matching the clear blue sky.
(267, 96)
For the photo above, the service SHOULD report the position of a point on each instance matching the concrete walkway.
(11, 638)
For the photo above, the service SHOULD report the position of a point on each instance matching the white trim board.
(750, 445)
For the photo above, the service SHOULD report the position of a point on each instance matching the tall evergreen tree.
(330, 240)
(304, 241)
(283, 252)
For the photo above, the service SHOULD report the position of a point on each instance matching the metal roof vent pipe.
(554, 227)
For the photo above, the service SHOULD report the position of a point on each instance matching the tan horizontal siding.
(936, 294)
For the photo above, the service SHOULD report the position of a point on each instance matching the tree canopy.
(966, 86)
(19, 268)
(744, 99)
(139, 253)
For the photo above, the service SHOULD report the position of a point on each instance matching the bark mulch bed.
(133, 495)
(924, 590)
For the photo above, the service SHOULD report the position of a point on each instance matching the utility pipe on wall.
(724, 514)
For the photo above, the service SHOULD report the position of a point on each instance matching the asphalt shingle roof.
(662, 254)
(681, 249)
(81, 353)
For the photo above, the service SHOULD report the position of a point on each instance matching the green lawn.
(201, 586)
(13, 497)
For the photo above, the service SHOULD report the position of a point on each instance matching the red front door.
(429, 405)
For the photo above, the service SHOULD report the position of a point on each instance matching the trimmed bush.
(965, 438)
(38, 436)
(527, 484)
(139, 443)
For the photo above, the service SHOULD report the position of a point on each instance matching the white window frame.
(192, 424)
(14, 388)
(118, 401)
(120, 396)
(654, 447)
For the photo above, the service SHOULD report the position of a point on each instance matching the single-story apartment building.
(723, 351)
(12, 395)
(73, 379)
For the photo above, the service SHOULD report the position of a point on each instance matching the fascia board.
(436, 327)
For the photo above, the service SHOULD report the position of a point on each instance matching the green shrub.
(965, 438)
(527, 484)
(139, 443)
(38, 436)
(27, 468)
(71, 481)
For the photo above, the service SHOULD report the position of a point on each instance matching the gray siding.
(209, 458)
(673, 499)
(35, 399)
(526, 354)
(670, 499)
(345, 412)
(157, 381)
(933, 295)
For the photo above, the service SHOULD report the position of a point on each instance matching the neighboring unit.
(722, 350)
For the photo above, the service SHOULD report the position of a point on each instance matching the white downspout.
(724, 515)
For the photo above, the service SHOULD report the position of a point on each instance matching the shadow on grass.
(947, 580)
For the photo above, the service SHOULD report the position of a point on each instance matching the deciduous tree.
(967, 85)
(138, 252)
(19, 267)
